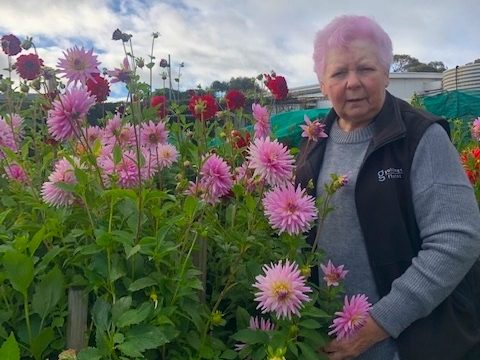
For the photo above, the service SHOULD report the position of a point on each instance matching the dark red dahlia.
(11, 45)
(240, 141)
(235, 99)
(29, 67)
(160, 103)
(203, 107)
(98, 87)
(277, 86)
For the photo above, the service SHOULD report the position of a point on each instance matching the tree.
(404, 63)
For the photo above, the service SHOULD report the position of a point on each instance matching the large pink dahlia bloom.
(352, 317)
(262, 121)
(78, 65)
(52, 194)
(281, 290)
(289, 209)
(216, 177)
(67, 113)
(271, 161)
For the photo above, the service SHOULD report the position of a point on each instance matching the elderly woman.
(407, 225)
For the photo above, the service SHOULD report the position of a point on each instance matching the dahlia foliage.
(162, 211)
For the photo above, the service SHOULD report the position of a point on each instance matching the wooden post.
(77, 318)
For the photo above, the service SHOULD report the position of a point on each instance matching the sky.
(221, 39)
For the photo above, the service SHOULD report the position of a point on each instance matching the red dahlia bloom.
(471, 163)
(277, 86)
(203, 107)
(11, 45)
(98, 87)
(29, 66)
(235, 99)
(160, 103)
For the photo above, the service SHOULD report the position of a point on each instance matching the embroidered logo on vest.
(389, 174)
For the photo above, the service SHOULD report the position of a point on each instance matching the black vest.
(387, 218)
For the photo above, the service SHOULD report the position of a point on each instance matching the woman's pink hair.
(342, 30)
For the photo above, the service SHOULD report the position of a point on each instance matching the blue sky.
(220, 39)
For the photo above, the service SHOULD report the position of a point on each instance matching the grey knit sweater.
(447, 215)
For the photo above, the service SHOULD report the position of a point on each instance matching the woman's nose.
(353, 79)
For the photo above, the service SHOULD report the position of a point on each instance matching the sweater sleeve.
(449, 221)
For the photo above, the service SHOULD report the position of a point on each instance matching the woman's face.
(355, 82)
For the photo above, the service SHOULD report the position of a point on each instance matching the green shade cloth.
(455, 104)
(286, 126)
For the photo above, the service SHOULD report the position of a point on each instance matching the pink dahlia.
(255, 324)
(98, 87)
(216, 176)
(113, 129)
(153, 134)
(16, 173)
(78, 65)
(9, 133)
(67, 113)
(476, 129)
(235, 100)
(352, 317)
(271, 161)
(122, 74)
(282, 289)
(262, 121)
(52, 194)
(29, 66)
(333, 274)
(11, 45)
(125, 173)
(166, 155)
(313, 130)
(289, 209)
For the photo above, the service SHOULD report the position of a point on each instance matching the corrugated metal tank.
(466, 77)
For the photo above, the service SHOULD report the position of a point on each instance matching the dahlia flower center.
(153, 138)
(292, 207)
(356, 320)
(78, 64)
(281, 291)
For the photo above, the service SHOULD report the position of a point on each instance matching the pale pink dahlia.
(351, 318)
(271, 161)
(9, 133)
(67, 113)
(166, 154)
(476, 129)
(262, 121)
(122, 74)
(79, 65)
(216, 177)
(313, 130)
(281, 290)
(289, 209)
(153, 134)
(16, 173)
(333, 274)
(52, 194)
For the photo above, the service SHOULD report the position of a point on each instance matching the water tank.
(466, 77)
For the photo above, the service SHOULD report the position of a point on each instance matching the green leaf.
(249, 336)
(134, 316)
(308, 352)
(19, 270)
(120, 306)
(48, 293)
(9, 349)
(141, 283)
(89, 354)
(310, 324)
(41, 342)
(101, 314)
(190, 207)
(243, 318)
(37, 240)
(229, 355)
(141, 338)
(3, 215)
(117, 154)
(292, 346)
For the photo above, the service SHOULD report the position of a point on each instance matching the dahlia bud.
(27, 43)
(179, 177)
(164, 76)
(163, 63)
(140, 62)
(216, 318)
(69, 354)
(186, 164)
(306, 271)
(36, 84)
(155, 34)
(3, 86)
(117, 35)
(200, 107)
(24, 88)
(293, 331)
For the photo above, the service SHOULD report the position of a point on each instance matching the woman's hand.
(363, 339)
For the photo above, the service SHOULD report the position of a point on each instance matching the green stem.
(27, 317)
(184, 266)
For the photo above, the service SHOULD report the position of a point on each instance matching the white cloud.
(220, 39)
